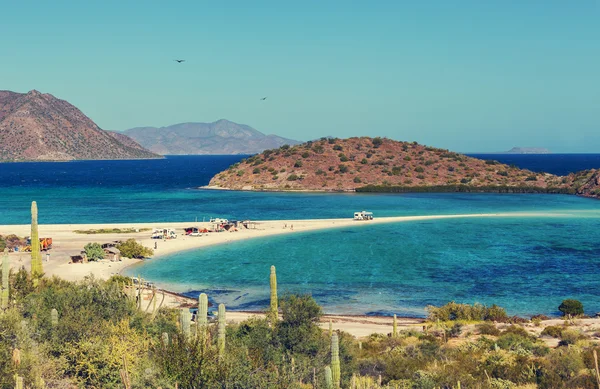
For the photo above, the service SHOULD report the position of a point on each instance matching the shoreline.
(66, 242)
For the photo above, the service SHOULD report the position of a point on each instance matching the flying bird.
(179, 60)
(264, 98)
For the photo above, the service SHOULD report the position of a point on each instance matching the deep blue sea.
(527, 265)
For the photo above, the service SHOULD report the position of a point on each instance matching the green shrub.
(338, 148)
(292, 177)
(571, 307)
(256, 170)
(343, 158)
(553, 331)
(357, 180)
(298, 164)
(407, 158)
(488, 329)
(570, 336)
(93, 251)
(132, 249)
(364, 161)
(419, 169)
(455, 311)
(305, 154)
(377, 142)
(343, 168)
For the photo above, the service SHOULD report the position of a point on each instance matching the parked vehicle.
(193, 231)
(363, 215)
(164, 233)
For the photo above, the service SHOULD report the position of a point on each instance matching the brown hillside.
(40, 127)
(386, 165)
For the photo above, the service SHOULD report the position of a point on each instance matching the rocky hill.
(384, 165)
(40, 127)
(220, 137)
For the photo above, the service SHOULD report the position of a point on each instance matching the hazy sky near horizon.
(468, 75)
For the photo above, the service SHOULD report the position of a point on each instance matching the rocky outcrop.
(385, 165)
(37, 126)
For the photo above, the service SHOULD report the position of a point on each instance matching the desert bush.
(132, 249)
(488, 329)
(571, 307)
(455, 311)
(553, 331)
(93, 251)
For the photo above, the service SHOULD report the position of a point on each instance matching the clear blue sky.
(468, 75)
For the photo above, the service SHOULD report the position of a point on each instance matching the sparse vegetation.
(112, 231)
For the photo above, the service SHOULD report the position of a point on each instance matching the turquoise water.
(527, 265)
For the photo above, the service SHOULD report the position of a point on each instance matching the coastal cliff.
(384, 165)
(37, 126)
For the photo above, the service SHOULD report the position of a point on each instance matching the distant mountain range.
(528, 150)
(220, 137)
(37, 126)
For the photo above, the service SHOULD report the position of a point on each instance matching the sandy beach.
(67, 242)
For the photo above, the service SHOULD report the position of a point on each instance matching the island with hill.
(365, 164)
(37, 126)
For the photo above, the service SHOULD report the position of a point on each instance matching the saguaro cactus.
(395, 327)
(4, 296)
(36, 255)
(19, 382)
(165, 339)
(273, 280)
(335, 360)
(54, 317)
(185, 318)
(202, 309)
(328, 378)
(201, 320)
(221, 331)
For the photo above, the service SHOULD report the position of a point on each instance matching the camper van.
(363, 215)
(164, 233)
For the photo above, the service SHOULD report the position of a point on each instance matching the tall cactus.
(165, 339)
(273, 281)
(36, 255)
(395, 327)
(221, 331)
(54, 317)
(185, 318)
(5, 270)
(328, 378)
(201, 320)
(335, 360)
(19, 382)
